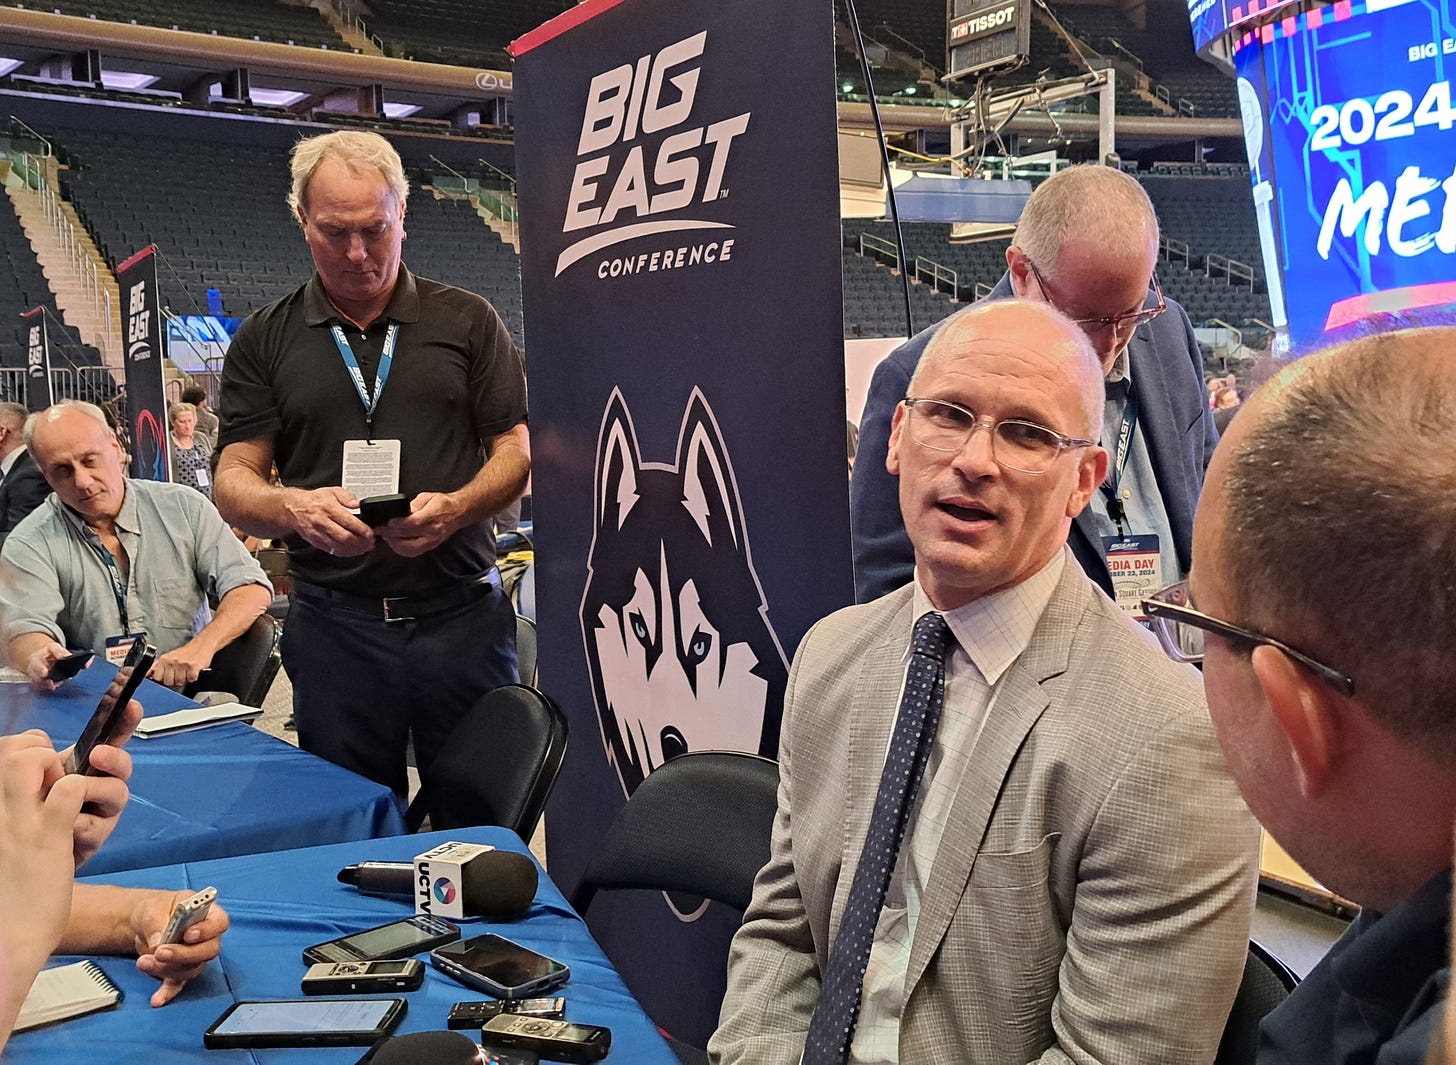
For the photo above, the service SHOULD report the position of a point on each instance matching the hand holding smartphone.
(63, 669)
(106, 720)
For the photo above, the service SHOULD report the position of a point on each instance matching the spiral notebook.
(67, 991)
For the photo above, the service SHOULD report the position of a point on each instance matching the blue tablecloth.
(282, 902)
(224, 790)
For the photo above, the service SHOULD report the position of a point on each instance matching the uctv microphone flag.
(37, 361)
(680, 263)
(146, 396)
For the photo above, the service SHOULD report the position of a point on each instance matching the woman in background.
(191, 457)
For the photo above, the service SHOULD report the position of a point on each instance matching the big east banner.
(680, 258)
(1348, 116)
(146, 396)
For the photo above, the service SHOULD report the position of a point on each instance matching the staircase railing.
(874, 247)
(92, 277)
(1229, 268)
(935, 274)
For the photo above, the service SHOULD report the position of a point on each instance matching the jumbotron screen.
(1348, 117)
(1211, 19)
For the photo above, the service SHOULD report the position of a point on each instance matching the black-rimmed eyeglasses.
(1180, 630)
(1016, 444)
(1122, 324)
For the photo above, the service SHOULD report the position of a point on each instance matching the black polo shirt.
(456, 381)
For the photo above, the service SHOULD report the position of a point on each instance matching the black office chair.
(498, 765)
(246, 667)
(526, 649)
(699, 825)
(1267, 982)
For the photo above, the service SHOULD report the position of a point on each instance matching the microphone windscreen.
(424, 1048)
(499, 884)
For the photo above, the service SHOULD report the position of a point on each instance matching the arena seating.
(471, 33)
(449, 242)
(878, 307)
(1209, 214)
(23, 286)
(263, 20)
(874, 301)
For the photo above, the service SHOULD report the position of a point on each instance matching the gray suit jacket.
(1091, 898)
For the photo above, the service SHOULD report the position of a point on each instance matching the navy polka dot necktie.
(832, 1028)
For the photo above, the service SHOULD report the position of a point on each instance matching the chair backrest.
(1267, 982)
(526, 649)
(699, 825)
(246, 667)
(498, 765)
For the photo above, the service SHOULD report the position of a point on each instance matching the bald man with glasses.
(1004, 831)
(1086, 244)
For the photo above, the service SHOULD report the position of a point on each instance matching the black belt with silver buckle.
(400, 607)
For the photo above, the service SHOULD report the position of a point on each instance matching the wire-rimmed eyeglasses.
(1180, 630)
(1122, 324)
(1016, 444)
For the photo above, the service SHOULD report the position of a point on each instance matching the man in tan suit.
(1077, 871)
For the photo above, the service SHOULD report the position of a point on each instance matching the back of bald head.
(1026, 323)
(1087, 201)
(1339, 508)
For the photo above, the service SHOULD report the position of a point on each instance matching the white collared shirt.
(990, 633)
(8, 462)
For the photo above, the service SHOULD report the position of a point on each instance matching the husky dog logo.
(681, 653)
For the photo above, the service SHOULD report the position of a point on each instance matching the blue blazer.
(1173, 415)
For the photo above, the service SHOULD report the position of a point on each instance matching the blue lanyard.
(118, 589)
(381, 375)
(1118, 466)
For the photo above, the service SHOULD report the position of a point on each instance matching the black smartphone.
(376, 510)
(495, 965)
(553, 1040)
(363, 977)
(104, 722)
(398, 939)
(65, 668)
(310, 1022)
(467, 1015)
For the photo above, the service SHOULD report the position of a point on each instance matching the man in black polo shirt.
(370, 381)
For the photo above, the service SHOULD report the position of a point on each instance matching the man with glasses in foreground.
(1039, 856)
(1086, 244)
(1323, 608)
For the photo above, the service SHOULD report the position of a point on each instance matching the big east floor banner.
(37, 361)
(146, 396)
(680, 256)
(1348, 117)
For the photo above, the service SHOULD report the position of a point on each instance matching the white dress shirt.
(990, 634)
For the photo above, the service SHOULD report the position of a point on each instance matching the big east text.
(651, 96)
